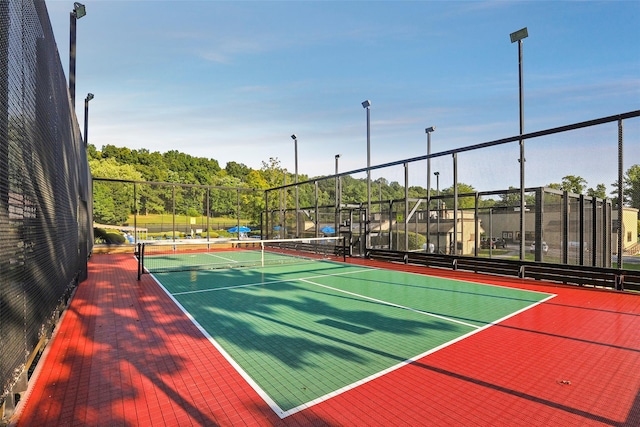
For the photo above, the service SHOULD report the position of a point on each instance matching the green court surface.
(214, 259)
(302, 333)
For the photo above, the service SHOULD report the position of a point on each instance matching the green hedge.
(109, 237)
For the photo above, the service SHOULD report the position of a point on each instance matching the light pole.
(78, 12)
(517, 37)
(437, 174)
(86, 117)
(367, 106)
(428, 132)
(337, 197)
(295, 144)
(337, 156)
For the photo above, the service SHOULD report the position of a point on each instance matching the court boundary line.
(268, 400)
(248, 285)
(391, 304)
(284, 414)
(406, 362)
(221, 257)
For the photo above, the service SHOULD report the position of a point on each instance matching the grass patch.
(627, 266)
(196, 221)
(494, 253)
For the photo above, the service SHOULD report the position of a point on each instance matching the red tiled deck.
(124, 354)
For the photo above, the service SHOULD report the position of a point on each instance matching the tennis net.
(186, 256)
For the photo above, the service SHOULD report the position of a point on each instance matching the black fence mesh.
(45, 190)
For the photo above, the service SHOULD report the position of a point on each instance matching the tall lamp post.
(428, 132)
(86, 117)
(437, 174)
(78, 12)
(337, 196)
(367, 106)
(295, 144)
(518, 36)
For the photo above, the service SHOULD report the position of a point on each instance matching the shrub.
(416, 241)
(103, 236)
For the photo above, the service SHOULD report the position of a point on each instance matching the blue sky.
(233, 80)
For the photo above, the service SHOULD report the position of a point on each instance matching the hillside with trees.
(113, 201)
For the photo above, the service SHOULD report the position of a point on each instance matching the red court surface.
(125, 355)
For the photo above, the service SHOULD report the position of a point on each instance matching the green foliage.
(112, 201)
(416, 241)
(109, 237)
(100, 233)
(237, 170)
(573, 184)
(512, 199)
(463, 202)
(578, 185)
(600, 191)
(116, 238)
(632, 186)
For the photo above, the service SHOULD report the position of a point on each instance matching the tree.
(631, 188)
(573, 184)
(225, 202)
(92, 152)
(237, 170)
(463, 202)
(600, 191)
(112, 201)
(355, 190)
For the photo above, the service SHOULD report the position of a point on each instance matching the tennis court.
(126, 354)
(301, 333)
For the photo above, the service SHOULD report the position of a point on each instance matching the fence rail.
(610, 278)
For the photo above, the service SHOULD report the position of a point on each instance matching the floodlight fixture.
(366, 104)
(519, 35)
(430, 129)
(294, 137)
(89, 97)
(79, 10)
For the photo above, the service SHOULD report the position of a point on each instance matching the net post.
(139, 256)
(262, 254)
(344, 249)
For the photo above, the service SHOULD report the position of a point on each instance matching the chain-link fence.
(469, 213)
(45, 191)
(126, 212)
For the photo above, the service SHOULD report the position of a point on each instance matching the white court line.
(406, 362)
(221, 257)
(426, 313)
(270, 402)
(248, 285)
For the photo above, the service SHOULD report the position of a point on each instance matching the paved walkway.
(125, 355)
